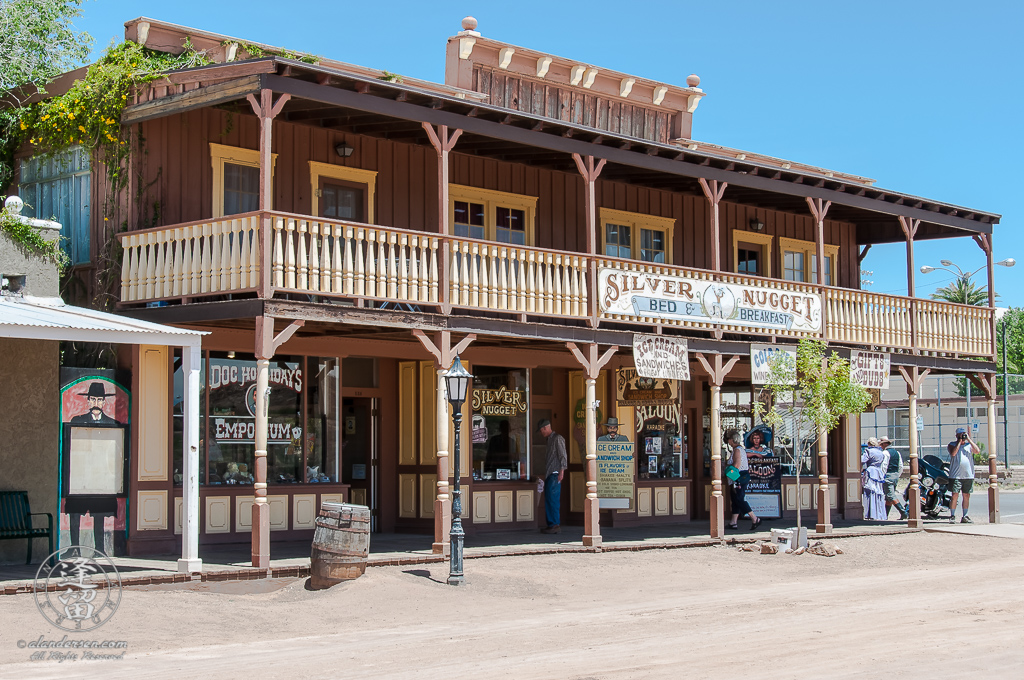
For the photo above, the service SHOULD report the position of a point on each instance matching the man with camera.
(961, 472)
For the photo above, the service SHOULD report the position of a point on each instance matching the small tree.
(807, 397)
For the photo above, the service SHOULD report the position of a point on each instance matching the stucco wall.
(29, 433)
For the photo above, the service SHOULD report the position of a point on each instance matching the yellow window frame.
(345, 174)
(810, 251)
(492, 200)
(636, 222)
(221, 154)
(758, 239)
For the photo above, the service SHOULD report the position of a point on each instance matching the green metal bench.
(16, 520)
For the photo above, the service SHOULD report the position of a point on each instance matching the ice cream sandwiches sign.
(660, 296)
(870, 369)
(658, 356)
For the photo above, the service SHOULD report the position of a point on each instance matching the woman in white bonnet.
(873, 461)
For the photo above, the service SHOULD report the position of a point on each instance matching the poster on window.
(764, 493)
(870, 369)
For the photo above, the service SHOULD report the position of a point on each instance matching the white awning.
(37, 318)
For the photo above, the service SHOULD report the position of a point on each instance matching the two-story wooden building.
(343, 233)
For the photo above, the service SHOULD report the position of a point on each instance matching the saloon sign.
(657, 356)
(870, 369)
(642, 294)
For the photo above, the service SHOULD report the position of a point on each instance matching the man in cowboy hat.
(557, 462)
(95, 416)
(611, 429)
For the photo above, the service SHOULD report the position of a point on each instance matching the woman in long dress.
(740, 506)
(873, 462)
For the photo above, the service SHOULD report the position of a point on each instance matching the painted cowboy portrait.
(96, 396)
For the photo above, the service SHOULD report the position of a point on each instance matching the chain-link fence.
(943, 405)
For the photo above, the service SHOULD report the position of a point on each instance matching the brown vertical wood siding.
(178, 173)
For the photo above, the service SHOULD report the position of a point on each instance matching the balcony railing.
(362, 262)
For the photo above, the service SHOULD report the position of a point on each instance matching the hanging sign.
(870, 369)
(632, 389)
(615, 473)
(658, 356)
(761, 358)
(660, 296)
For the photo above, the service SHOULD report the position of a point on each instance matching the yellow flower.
(23, 126)
(82, 128)
(46, 116)
(71, 116)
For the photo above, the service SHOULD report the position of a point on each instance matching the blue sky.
(924, 97)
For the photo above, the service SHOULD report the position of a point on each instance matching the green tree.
(808, 398)
(1013, 323)
(964, 291)
(38, 41)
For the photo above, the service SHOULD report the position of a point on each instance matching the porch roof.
(37, 318)
(359, 103)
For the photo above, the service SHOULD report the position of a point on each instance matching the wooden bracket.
(592, 365)
(819, 208)
(716, 368)
(441, 347)
(863, 253)
(267, 343)
(914, 377)
(983, 242)
(443, 143)
(587, 168)
(713, 192)
(909, 226)
(265, 108)
(985, 383)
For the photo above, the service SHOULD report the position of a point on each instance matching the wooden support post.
(266, 109)
(819, 209)
(266, 345)
(987, 384)
(191, 361)
(984, 242)
(590, 172)
(714, 195)
(914, 378)
(910, 230)
(823, 496)
(717, 370)
(444, 354)
(443, 144)
(592, 365)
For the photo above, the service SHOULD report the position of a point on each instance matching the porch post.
(590, 172)
(444, 354)
(819, 209)
(914, 378)
(266, 345)
(824, 495)
(592, 366)
(266, 109)
(909, 227)
(191, 357)
(716, 370)
(988, 386)
(443, 144)
(714, 195)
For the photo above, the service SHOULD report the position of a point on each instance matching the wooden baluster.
(252, 240)
(160, 267)
(566, 285)
(129, 286)
(301, 257)
(360, 273)
(206, 263)
(196, 285)
(279, 252)
(574, 288)
(393, 274)
(556, 279)
(327, 263)
(455, 275)
(349, 235)
(186, 262)
(149, 277)
(474, 275)
(431, 255)
(414, 260)
(492, 272)
(215, 255)
(549, 292)
(464, 274)
(484, 281)
(531, 282)
(372, 264)
(501, 262)
(224, 275)
(174, 266)
(515, 300)
(144, 294)
(236, 279)
(314, 257)
(243, 255)
(289, 254)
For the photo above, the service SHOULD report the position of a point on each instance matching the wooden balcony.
(370, 264)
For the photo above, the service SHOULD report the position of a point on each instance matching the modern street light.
(960, 273)
(457, 380)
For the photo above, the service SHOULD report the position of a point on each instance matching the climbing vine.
(29, 238)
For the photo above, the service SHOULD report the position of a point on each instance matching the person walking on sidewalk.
(892, 479)
(557, 462)
(961, 473)
(740, 506)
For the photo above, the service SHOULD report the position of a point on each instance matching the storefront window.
(322, 423)
(500, 428)
(661, 446)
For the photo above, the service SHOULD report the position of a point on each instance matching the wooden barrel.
(341, 544)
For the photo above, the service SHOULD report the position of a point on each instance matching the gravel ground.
(889, 606)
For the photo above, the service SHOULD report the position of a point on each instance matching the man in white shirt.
(961, 473)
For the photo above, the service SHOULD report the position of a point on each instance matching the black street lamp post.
(457, 380)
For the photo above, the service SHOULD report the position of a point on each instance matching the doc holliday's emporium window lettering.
(501, 417)
(302, 428)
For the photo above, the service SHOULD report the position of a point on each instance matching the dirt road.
(892, 606)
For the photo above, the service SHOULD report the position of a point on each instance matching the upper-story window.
(636, 236)
(343, 193)
(800, 261)
(752, 252)
(57, 188)
(491, 215)
(236, 179)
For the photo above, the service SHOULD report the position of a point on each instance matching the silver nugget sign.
(659, 296)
